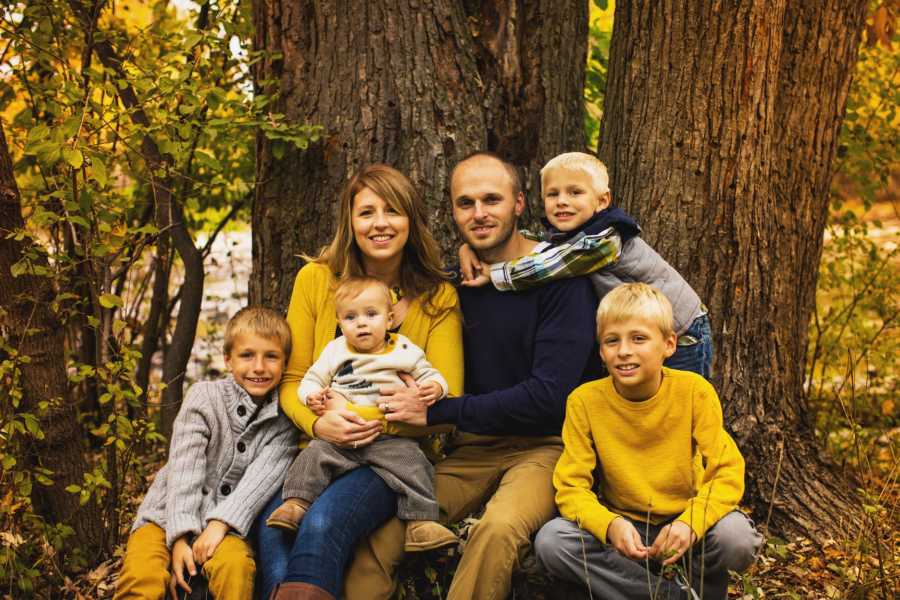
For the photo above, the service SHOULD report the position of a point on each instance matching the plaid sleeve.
(581, 255)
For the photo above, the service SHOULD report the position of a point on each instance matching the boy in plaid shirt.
(588, 236)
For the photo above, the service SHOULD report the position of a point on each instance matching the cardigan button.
(241, 446)
(225, 489)
(241, 410)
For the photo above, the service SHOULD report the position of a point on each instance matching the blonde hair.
(260, 321)
(351, 287)
(421, 271)
(636, 300)
(579, 161)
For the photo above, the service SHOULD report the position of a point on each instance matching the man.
(524, 353)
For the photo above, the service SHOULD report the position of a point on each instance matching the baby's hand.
(672, 542)
(316, 402)
(334, 400)
(626, 539)
(430, 392)
(471, 269)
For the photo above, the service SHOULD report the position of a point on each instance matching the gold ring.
(355, 444)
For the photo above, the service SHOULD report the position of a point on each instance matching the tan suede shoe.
(422, 536)
(288, 515)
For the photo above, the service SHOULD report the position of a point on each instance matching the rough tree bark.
(720, 126)
(415, 85)
(28, 324)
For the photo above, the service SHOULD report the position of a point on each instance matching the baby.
(354, 367)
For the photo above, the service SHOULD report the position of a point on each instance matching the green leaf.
(98, 171)
(192, 38)
(110, 300)
(73, 156)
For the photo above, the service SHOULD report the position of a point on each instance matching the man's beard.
(488, 253)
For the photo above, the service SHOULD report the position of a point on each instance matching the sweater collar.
(237, 397)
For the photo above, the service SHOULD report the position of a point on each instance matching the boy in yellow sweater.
(669, 475)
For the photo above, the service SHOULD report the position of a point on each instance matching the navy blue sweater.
(524, 353)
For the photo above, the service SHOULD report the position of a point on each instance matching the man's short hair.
(580, 161)
(636, 300)
(260, 321)
(351, 287)
(510, 169)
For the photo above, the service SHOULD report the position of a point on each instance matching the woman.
(381, 232)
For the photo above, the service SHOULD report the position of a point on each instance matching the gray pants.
(398, 461)
(571, 553)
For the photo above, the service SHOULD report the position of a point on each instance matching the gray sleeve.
(262, 478)
(191, 434)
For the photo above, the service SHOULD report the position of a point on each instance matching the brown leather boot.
(296, 590)
(288, 515)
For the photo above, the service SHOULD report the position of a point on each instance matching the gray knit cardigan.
(225, 461)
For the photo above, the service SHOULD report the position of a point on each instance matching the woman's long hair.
(421, 272)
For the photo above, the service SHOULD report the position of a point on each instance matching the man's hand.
(430, 392)
(672, 542)
(206, 543)
(404, 404)
(182, 560)
(626, 539)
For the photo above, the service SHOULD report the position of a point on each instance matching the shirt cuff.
(500, 277)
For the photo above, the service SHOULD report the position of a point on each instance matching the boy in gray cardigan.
(229, 451)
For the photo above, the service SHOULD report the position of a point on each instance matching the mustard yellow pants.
(514, 476)
(146, 568)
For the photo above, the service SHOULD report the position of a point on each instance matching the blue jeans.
(697, 356)
(351, 508)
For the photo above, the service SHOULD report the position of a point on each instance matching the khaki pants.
(145, 570)
(518, 472)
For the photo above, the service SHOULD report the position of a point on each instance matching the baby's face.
(570, 198)
(365, 319)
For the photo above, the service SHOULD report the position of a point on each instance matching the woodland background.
(163, 162)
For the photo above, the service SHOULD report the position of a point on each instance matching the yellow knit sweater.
(668, 456)
(313, 322)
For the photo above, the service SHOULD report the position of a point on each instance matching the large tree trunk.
(30, 326)
(720, 125)
(415, 85)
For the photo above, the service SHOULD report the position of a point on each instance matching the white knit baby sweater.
(359, 376)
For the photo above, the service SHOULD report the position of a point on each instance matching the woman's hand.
(346, 428)
(404, 404)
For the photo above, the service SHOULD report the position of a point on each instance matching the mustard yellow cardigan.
(313, 322)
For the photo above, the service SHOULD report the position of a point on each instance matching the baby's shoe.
(288, 515)
(427, 535)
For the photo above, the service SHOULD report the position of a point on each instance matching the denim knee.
(736, 541)
(547, 546)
